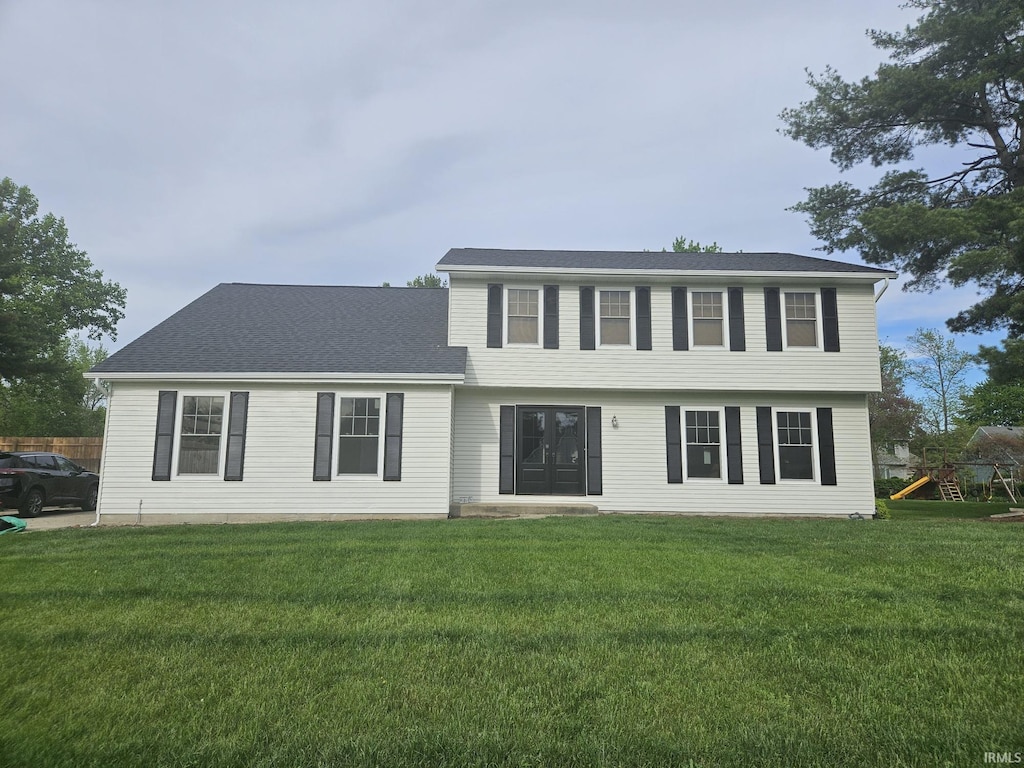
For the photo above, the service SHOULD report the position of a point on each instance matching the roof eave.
(276, 377)
(483, 270)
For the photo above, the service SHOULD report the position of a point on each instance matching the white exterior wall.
(634, 453)
(278, 473)
(853, 369)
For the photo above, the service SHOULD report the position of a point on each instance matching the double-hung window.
(358, 435)
(801, 319)
(795, 440)
(703, 444)
(708, 313)
(614, 320)
(199, 441)
(523, 324)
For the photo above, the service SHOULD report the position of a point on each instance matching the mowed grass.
(917, 509)
(589, 641)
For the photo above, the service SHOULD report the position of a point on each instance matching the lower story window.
(202, 421)
(359, 435)
(703, 444)
(796, 445)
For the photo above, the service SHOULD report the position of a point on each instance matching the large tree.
(954, 79)
(48, 288)
(992, 404)
(940, 370)
(894, 417)
(61, 402)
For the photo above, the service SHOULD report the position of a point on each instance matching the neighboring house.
(895, 461)
(636, 382)
(990, 446)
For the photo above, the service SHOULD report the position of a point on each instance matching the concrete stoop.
(518, 509)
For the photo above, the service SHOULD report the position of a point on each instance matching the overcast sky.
(188, 144)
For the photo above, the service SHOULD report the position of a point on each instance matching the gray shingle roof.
(650, 260)
(240, 327)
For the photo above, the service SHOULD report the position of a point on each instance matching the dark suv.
(30, 480)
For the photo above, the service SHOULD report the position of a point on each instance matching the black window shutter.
(773, 319)
(507, 449)
(737, 331)
(550, 317)
(826, 447)
(588, 338)
(494, 314)
(673, 444)
(830, 319)
(238, 415)
(643, 317)
(594, 483)
(393, 435)
(733, 445)
(680, 324)
(167, 401)
(324, 436)
(765, 445)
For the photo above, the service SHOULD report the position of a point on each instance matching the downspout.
(884, 286)
(106, 430)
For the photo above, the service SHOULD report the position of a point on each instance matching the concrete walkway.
(54, 518)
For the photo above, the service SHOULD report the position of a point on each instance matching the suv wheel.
(89, 502)
(33, 503)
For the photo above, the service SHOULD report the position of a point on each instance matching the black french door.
(550, 444)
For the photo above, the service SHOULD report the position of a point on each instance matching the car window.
(42, 461)
(6, 462)
(66, 465)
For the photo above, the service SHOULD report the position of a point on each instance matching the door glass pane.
(532, 438)
(567, 444)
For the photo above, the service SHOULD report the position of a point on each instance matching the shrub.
(881, 510)
(886, 488)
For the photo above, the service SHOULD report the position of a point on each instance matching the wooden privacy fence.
(86, 451)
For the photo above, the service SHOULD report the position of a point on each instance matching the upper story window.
(199, 442)
(708, 313)
(801, 319)
(523, 321)
(614, 326)
(358, 435)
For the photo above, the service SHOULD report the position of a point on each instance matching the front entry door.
(549, 451)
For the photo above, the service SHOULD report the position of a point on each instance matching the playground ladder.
(950, 491)
(1006, 485)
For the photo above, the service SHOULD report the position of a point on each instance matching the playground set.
(946, 479)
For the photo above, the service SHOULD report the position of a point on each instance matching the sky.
(187, 144)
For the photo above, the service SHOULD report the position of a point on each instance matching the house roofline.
(361, 377)
(667, 274)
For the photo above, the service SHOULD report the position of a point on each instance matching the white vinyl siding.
(854, 369)
(633, 463)
(280, 435)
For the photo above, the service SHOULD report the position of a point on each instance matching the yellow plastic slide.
(911, 488)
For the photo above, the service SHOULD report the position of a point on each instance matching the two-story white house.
(635, 382)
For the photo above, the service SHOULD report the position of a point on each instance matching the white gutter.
(103, 456)
(735, 274)
(884, 286)
(289, 378)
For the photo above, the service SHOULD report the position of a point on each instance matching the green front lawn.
(915, 509)
(551, 642)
